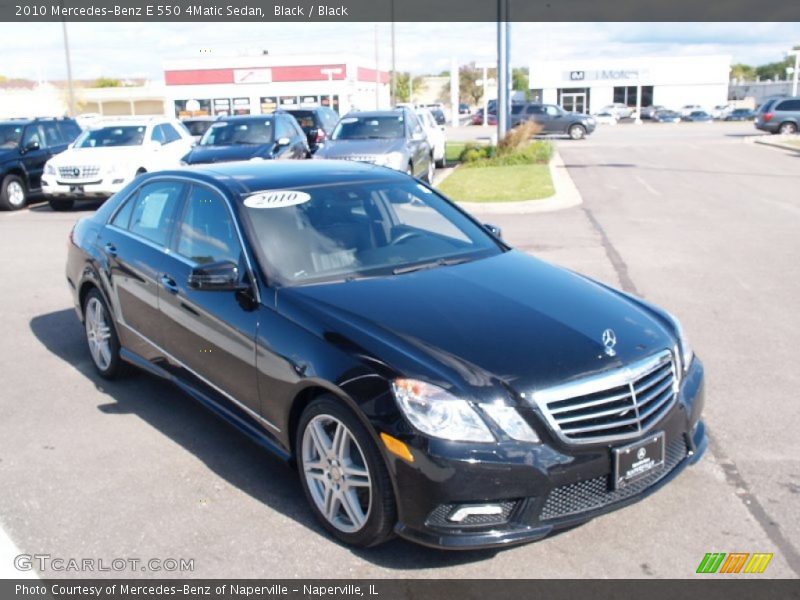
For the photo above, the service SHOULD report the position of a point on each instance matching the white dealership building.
(242, 85)
(589, 84)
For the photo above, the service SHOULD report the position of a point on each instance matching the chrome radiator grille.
(612, 406)
(79, 172)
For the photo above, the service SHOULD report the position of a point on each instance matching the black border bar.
(398, 10)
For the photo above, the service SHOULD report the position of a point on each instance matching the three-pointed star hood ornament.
(609, 341)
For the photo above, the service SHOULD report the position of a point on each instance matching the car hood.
(511, 320)
(96, 156)
(345, 148)
(8, 154)
(212, 154)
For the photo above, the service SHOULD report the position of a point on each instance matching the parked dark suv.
(25, 146)
(317, 123)
(779, 115)
(553, 119)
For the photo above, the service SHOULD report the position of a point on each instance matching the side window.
(123, 217)
(33, 133)
(153, 210)
(329, 119)
(792, 105)
(158, 135)
(170, 134)
(206, 232)
(282, 129)
(69, 131)
(52, 137)
(551, 110)
(534, 109)
(413, 125)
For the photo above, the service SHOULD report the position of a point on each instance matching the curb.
(566, 196)
(778, 143)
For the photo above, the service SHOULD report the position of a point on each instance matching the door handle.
(169, 284)
(110, 249)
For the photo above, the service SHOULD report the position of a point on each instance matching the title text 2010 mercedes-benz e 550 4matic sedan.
(425, 378)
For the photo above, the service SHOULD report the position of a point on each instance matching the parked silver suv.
(779, 115)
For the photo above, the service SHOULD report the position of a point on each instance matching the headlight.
(684, 347)
(49, 169)
(395, 160)
(438, 413)
(510, 421)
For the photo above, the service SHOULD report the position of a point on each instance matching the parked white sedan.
(106, 157)
(436, 136)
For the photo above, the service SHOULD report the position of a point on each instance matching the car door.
(418, 143)
(34, 151)
(209, 334)
(132, 246)
(554, 119)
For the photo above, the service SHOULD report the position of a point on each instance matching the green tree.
(106, 82)
(743, 72)
(402, 88)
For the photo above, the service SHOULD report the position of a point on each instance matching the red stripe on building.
(279, 74)
(365, 74)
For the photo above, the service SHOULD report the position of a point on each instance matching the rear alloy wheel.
(343, 475)
(61, 204)
(788, 128)
(13, 194)
(577, 132)
(101, 337)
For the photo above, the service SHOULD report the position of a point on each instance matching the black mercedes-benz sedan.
(426, 379)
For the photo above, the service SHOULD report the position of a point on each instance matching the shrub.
(536, 152)
(518, 138)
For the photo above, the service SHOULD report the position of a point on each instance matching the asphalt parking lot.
(690, 216)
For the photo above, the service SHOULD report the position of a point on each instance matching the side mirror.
(284, 141)
(494, 230)
(31, 146)
(216, 276)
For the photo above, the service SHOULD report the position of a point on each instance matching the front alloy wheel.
(343, 474)
(12, 193)
(577, 132)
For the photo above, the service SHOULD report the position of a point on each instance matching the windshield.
(350, 230)
(370, 127)
(197, 127)
(305, 118)
(126, 135)
(10, 135)
(240, 131)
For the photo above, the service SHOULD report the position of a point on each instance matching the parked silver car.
(779, 115)
(390, 138)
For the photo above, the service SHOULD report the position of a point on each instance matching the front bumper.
(542, 488)
(97, 188)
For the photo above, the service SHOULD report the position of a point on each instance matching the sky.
(123, 50)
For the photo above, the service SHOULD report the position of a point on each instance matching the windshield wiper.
(441, 262)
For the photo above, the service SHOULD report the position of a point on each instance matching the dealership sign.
(252, 76)
(605, 75)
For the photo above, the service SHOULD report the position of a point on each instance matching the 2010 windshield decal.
(276, 199)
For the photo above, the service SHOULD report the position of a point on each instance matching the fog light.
(465, 512)
(117, 181)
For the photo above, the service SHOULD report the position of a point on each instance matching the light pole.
(485, 83)
(70, 91)
(502, 68)
(330, 73)
(796, 54)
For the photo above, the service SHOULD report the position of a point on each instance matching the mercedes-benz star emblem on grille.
(76, 172)
(609, 341)
(641, 453)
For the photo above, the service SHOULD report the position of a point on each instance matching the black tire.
(116, 367)
(61, 204)
(410, 170)
(788, 128)
(577, 132)
(13, 193)
(382, 511)
(442, 164)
